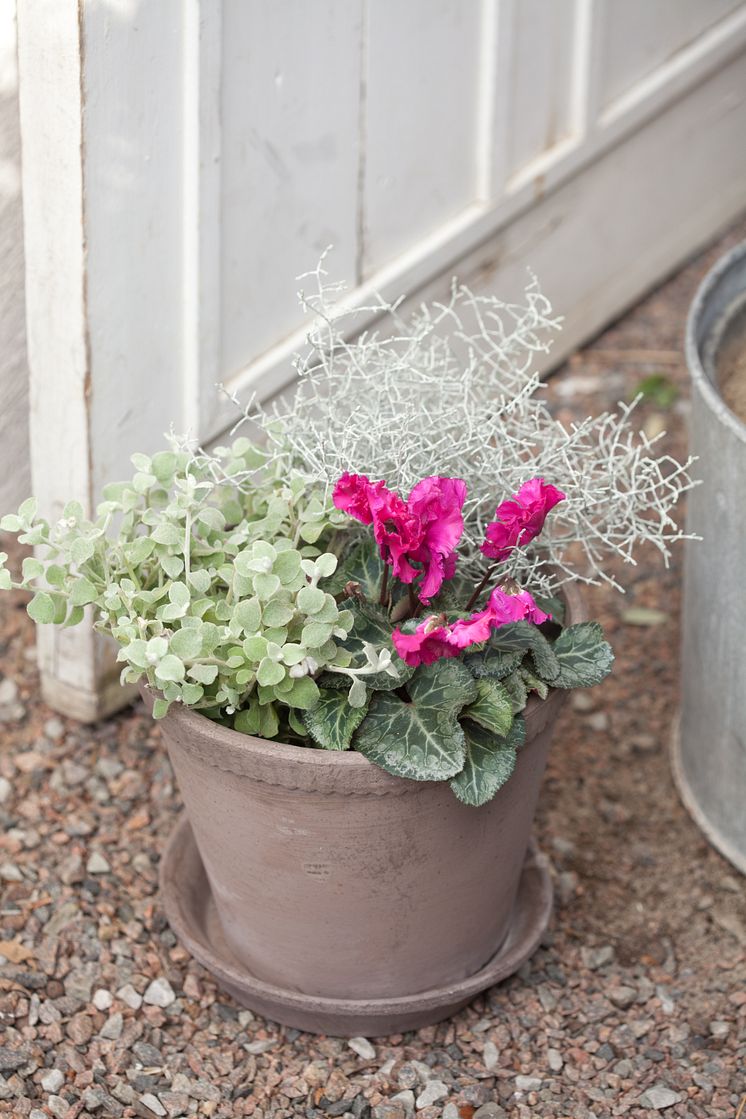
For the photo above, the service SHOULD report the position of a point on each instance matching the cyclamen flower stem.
(384, 585)
(487, 576)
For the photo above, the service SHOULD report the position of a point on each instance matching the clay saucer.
(191, 912)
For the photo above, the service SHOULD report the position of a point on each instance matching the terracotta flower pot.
(339, 884)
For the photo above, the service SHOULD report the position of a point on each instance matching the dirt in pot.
(730, 363)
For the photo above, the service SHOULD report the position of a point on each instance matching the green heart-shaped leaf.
(332, 722)
(516, 688)
(492, 708)
(421, 740)
(494, 664)
(584, 657)
(526, 636)
(490, 761)
(363, 565)
(533, 683)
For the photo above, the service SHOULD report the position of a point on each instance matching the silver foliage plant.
(453, 390)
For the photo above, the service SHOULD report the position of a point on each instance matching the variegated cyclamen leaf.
(363, 565)
(494, 664)
(332, 722)
(490, 761)
(528, 637)
(584, 657)
(533, 683)
(492, 708)
(516, 688)
(371, 626)
(421, 740)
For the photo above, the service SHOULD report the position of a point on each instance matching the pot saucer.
(191, 911)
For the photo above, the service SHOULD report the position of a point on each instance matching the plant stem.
(478, 590)
(384, 585)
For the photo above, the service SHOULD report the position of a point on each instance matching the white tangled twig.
(452, 390)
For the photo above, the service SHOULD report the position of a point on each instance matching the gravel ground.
(634, 1005)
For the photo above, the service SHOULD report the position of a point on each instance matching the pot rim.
(692, 344)
(281, 763)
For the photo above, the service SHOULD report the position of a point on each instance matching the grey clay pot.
(336, 880)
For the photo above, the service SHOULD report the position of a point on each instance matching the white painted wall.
(185, 160)
(15, 474)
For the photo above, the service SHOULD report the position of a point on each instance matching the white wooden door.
(184, 160)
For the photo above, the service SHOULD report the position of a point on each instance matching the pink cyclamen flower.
(435, 638)
(437, 503)
(521, 518)
(423, 530)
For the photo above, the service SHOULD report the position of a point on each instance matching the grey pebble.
(102, 999)
(407, 1100)
(389, 1110)
(263, 1045)
(59, 1106)
(53, 1080)
(623, 997)
(112, 1027)
(407, 1076)
(567, 885)
(147, 1054)
(433, 1091)
(204, 1090)
(12, 1059)
(490, 1056)
(54, 728)
(130, 997)
(97, 864)
(153, 1104)
(8, 691)
(175, 1103)
(79, 984)
(5, 789)
(555, 1060)
(159, 993)
(362, 1047)
(659, 1098)
(490, 1111)
(528, 1083)
(595, 958)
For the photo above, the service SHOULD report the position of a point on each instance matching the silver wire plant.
(453, 390)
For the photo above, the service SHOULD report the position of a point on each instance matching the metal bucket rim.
(697, 372)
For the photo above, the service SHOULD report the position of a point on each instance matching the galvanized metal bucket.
(709, 754)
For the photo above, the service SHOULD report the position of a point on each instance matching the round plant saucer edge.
(192, 915)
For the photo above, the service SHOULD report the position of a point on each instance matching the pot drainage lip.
(190, 908)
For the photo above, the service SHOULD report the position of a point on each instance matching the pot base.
(191, 912)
